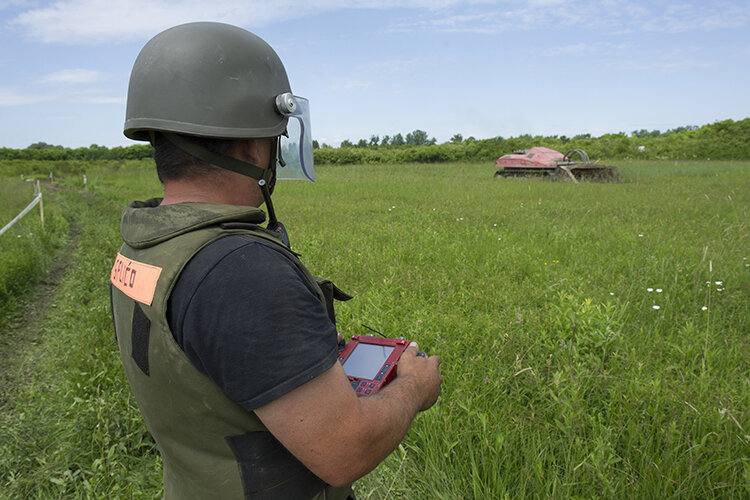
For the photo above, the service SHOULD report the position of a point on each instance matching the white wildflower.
(658, 290)
(704, 308)
(655, 307)
(650, 289)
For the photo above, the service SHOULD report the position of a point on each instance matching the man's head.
(209, 80)
(187, 178)
(197, 87)
(200, 91)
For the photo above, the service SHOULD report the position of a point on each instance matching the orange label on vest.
(135, 279)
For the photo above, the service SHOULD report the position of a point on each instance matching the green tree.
(645, 133)
(418, 138)
(398, 140)
(43, 145)
(457, 139)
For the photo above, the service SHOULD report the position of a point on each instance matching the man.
(228, 342)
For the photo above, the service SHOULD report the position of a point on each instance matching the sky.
(481, 68)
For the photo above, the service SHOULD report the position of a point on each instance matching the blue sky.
(480, 68)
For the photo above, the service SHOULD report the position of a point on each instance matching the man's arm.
(341, 437)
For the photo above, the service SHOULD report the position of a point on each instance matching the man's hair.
(172, 163)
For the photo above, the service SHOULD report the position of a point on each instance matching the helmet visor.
(296, 145)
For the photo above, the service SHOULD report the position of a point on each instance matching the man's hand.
(424, 372)
(341, 437)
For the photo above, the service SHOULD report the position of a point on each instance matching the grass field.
(594, 337)
(26, 251)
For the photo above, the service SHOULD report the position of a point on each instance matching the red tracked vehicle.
(540, 161)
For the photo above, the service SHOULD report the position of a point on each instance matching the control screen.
(366, 360)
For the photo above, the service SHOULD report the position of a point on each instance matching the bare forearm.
(386, 416)
(341, 437)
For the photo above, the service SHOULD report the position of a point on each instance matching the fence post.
(41, 204)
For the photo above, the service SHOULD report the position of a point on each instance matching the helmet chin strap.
(266, 176)
(267, 185)
(266, 188)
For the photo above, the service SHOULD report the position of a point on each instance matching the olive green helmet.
(206, 79)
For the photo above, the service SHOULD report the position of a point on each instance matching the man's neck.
(232, 190)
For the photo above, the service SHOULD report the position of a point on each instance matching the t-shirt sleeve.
(246, 316)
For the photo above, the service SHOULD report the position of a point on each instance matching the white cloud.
(617, 16)
(546, 3)
(98, 100)
(120, 20)
(584, 48)
(73, 76)
(350, 84)
(7, 4)
(393, 66)
(667, 62)
(11, 98)
(95, 21)
(681, 17)
(667, 65)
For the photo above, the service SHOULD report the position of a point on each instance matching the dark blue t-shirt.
(246, 316)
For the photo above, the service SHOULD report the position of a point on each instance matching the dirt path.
(23, 324)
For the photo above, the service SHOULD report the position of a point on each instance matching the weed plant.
(593, 336)
(26, 249)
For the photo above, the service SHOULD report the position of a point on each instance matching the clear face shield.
(295, 147)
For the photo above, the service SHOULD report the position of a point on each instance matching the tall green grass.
(564, 376)
(26, 249)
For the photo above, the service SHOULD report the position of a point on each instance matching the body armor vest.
(211, 446)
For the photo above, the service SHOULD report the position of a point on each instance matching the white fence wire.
(36, 201)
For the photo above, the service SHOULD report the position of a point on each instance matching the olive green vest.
(211, 446)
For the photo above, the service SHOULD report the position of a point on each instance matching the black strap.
(112, 309)
(139, 337)
(226, 162)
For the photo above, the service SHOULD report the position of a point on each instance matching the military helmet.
(207, 79)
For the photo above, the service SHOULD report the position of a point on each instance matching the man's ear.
(255, 151)
(244, 149)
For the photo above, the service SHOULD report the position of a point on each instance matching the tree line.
(725, 140)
